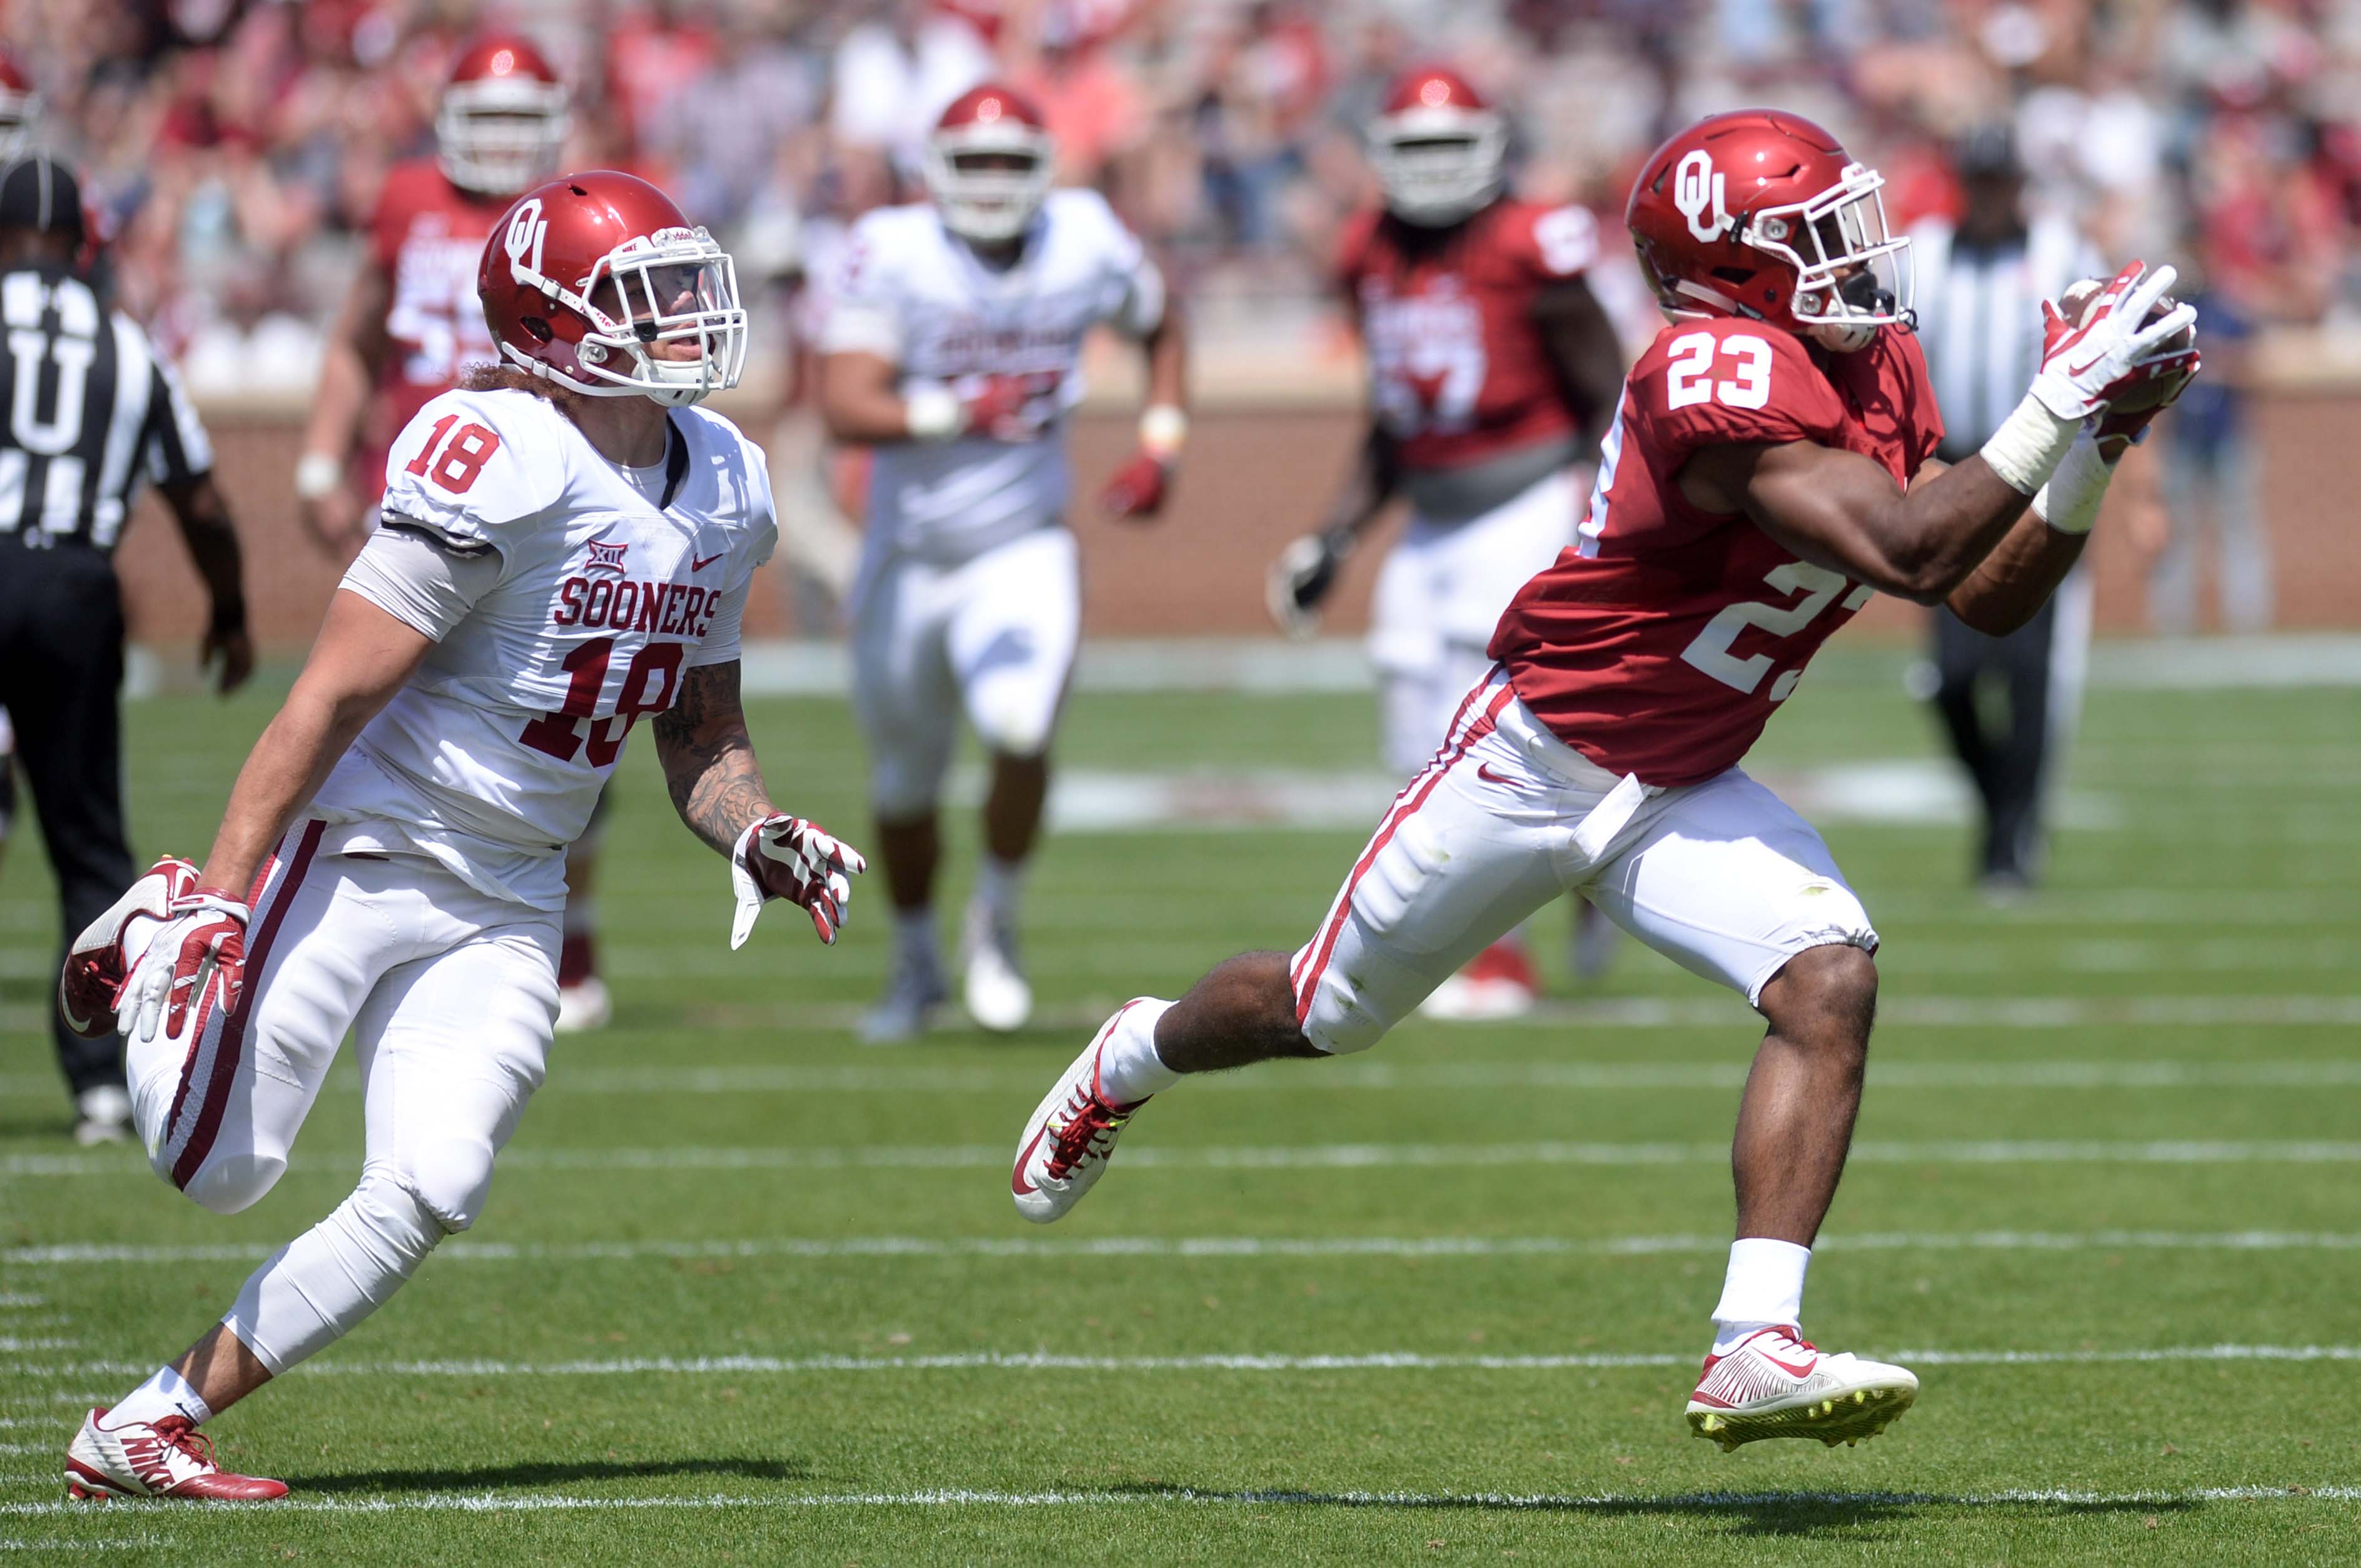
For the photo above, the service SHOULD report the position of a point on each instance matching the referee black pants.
(2007, 753)
(60, 671)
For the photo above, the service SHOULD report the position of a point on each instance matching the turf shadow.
(491, 1477)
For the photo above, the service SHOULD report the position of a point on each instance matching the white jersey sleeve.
(415, 578)
(722, 628)
(470, 467)
(863, 314)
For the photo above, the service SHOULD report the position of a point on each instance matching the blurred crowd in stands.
(235, 146)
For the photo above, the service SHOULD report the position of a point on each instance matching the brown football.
(2075, 305)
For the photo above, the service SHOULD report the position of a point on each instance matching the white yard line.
(1045, 1360)
(76, 1254)
(1324, 1157)
(1617, 1502)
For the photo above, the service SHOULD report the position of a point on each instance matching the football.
(2075, 305)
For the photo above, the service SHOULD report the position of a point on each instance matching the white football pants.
(451, 994)
(1720, 877)
(1438, 598)
(992, 638)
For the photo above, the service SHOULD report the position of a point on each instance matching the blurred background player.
(411, 321)
(1492, 373)
(2007, 703)
(951, 345)
(94, 414)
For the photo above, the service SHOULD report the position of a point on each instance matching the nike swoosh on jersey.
(698, 563)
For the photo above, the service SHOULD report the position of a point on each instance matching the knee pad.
(228, 1183)
(388, 1216)
(1010, 716)
(1339, 1021)
(449, 1178)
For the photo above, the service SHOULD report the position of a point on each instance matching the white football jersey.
(911, 291)
(493, 755)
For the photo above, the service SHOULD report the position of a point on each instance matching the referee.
(2003, 701)
(91, 410)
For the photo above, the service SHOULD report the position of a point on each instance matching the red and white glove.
(201, 949)
(1012, 408)
(787, 857)
(1137, 489)
(2084, 367)
(2120, 430)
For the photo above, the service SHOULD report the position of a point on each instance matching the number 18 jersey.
(613, 583)
(1662, 639)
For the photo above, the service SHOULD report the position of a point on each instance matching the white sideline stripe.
(1382, 1075)
(1328, 1156)
(1238, 1246)
(1703, 1502)
(1046, 1361)
(10, 1298)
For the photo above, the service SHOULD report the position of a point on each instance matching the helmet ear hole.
(537, 329)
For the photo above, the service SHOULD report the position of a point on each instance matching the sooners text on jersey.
(427, 234)
(1457, 371)
(1660, 641)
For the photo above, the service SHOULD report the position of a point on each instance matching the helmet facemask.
(1436, 174)
(1852, 275)
(671, 287)
(501, 135)
(991, 182)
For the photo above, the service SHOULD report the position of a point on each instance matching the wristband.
(1163, 430)
(316, 474)
(933, 413)
(2028, 446)
(2070, 501)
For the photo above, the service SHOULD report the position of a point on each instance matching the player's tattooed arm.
(708, 758)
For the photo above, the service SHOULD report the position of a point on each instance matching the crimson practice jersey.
(428, 237)
(1662, 639)
(1457, 372)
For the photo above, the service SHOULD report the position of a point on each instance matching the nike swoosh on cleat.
(1017, 1176)
(1797, 1372)
(695, 565)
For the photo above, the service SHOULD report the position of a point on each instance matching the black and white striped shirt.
(92, 408)
(1980, 318)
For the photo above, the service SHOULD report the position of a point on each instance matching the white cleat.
(911, 996)
(155, 1459)
(96, 964)
(1776, 1384)
(102, 1116)
(584, 1005)
(997, 995)
(1070, 1137)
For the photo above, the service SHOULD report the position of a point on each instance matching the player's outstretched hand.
(787, 857)
(2115, 347)
(1012, 408)
(1300, 579)
(1137, 489)
(201, 946)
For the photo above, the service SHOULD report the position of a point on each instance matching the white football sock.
(1763, 1287)
(1129, 1069)
(165, 1394)
(313, 1290)
(998, 884)
(914, 937)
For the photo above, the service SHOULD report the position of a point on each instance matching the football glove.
(2114, 347)
(1012, 408)
(2120, 430)
(1138, 488)
(201, 949)
(1302, 575)
(787, 857)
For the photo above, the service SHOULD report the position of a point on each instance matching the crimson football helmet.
(989, 163)
(502, 119)
(1437, 147)
(1761, 214)
(20, 108)
(583, 278)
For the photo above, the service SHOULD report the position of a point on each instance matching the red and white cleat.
(1497, 983)
(1070, 1137)
(96, 970)
(1776, 1384)
(169, 1458)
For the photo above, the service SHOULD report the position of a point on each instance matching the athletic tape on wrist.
(316, 474)
(1163, 430)
(2028, 446)
(2070, 501)
(933, 413)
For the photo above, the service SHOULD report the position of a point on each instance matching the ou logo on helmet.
(1699, 192)
(527, 230)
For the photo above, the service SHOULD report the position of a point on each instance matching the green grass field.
(748, 1291)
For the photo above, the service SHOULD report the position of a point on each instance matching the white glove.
(787, 857)
(2083, 367)
(1301, 577)
(201, 944)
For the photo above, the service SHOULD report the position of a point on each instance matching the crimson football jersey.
(428, 237)
(1457, 371)
(1662, 639)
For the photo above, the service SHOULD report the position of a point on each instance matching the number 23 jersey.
(492, 756)
(1662, 639)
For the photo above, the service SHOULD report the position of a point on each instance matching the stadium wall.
(1254, 477)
